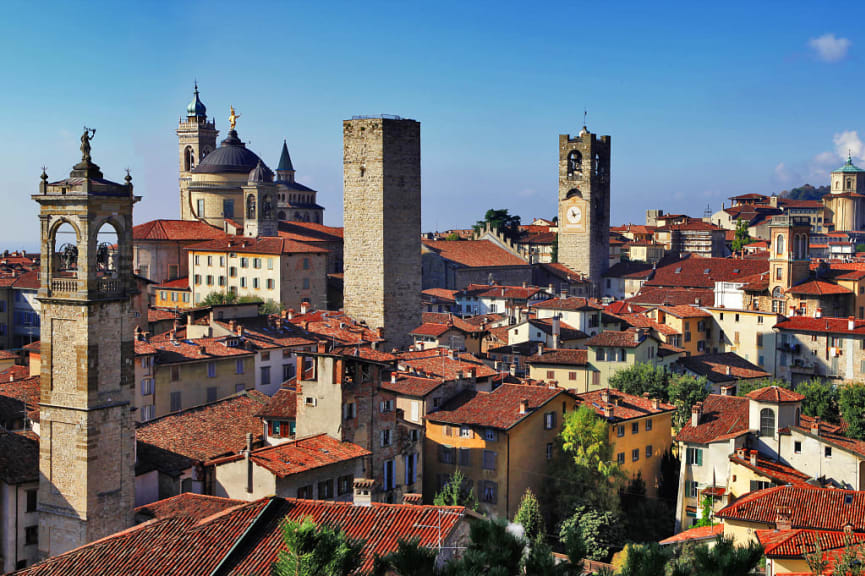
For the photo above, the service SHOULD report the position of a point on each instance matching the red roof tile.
(685, 311)
(176, 284)
(187, 505)
(176, 230)
(310, 232)
(816, 508)
(263, 245)
(824, 325)
(818, 288)
(168, 352)
(497, 409)
(282, 405)
(441, 294)
(304, 454)
(429, 329)
(561, 271)
(447, 318)
(697, 272)
(653, 296)
(621, 405)
(562, 356)
(830, 434)
(701, 533)
(723, 417)
(795, 543)
(437, 362)
(714, 367)
(474, 253)
(775, 394)
(777, 471)
(19, 395)
(613, 339)
(501, 292)
(335, 327)
(572, 304)
(623, 307)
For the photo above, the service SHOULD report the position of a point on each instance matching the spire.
(196, 108)
(284, 160)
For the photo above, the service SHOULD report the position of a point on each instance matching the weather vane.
(232, 118)
(585, 113)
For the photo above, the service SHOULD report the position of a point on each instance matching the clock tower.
(584, 204)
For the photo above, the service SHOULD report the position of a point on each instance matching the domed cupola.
(232, 156)
(196, 108)
(260, 173)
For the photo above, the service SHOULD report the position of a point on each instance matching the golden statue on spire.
(232, 118)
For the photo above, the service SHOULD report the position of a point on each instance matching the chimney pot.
(605, 395)
(753, 457)
(524, 406)
(393, 377)
(728, 370)
(696, 414)
(815, 426)
(540, 348)
(656, 404)
(851, 323)
(290, 313)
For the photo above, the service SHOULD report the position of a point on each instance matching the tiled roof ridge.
(251, 394)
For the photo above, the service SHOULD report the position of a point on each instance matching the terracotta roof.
(437, 363)
(497, 291)
(654, 296)
(334, 327)
(818, 288)
(269, 332)
(817, 508)
(613, 339)
(157, 314)
(701, 533)
(27, 281)
(723, 417)
(186, 505)
(310, 232)
(474, 253)
(176, 230)
(303, 454)
(639, 320)
(563, 356)
(19, 457)
(566, 331)
(697, 272)
(441, 294)
(19, 395)
(447, 318)
(714, 367)
(795, 543)
(570, 304)
(775, 394)
(623, 307)
(15, 373)
(482, 319)
(824, 325)
(500, 334)
(497, 409)
(629, 269)
(364, 352)
(282, 405)
(561, 271)
(176, 284)
(245, 538)
(178, 440)
(831, 435)
(189, 350)
(685, 311)
(411, 385)
(261, 245)
(621, 406)
(777, 471)
(429, 329)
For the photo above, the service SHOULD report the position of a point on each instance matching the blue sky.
(703, 101)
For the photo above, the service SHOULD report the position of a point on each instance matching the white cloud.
(848, 143)
(785, 176)
(828, 48)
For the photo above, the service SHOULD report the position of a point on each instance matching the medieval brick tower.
(789, 256)
(584, 204)
(196, 138)
(381, 203)
(86, 453)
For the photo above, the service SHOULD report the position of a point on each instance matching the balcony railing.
(66, 285)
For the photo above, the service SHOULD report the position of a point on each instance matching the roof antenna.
(585, 113)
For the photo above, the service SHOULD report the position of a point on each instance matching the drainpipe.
(508, 481)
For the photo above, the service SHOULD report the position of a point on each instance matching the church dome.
(260, 173)
(196, 107)
(232, 157)
(849, 166)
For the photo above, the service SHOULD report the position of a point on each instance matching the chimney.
(304, 307)
(473, 372)
(608, 411)
(550, 289)
(380, 332)
(232, 325)
(393, 377)
(563, 294)
(753, 457)
(290, 313)
(525, 284)
(696, 413)
(540, 348)
(818, 313)
(202, 350)
(363, 491)
(605, 395)
(783, 518)
(637, 334)
(321, 346)
(740, 453)
(728, 370)
(139, 335)
(815, 426)
(656, 404)
(851, 323)
(411, 499)
(240, 330)
(524, 406)
(247, 454)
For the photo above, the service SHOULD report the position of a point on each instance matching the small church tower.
(259, 196)
(789, 256)
(584, 204)
(196, 138)
(285, 170)
(87, 436)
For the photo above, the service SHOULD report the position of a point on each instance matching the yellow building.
(173, 294)
(611, 351)
(640, 431)
(498, 440)
(172, 375)
(566, 367)
(691, 322)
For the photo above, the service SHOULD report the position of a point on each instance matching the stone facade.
(584, 204)
(196, 138)
(86, 460)
(382, 210)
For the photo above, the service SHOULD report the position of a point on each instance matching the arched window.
(798, 415)
(575, 163)
(849, 184)
(779, 244)
(776, 293)
(767, 422)
(188, 159)
(250, 207)
(597, 163)
(574, 192)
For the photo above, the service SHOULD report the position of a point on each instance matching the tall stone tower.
(196, 138)
(789, 256)
(87, 445)
(260, 204)
(584, 204)
(382, 208)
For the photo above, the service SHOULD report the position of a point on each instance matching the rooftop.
(303, 454)
(560, 356)
(775, 395)
(473, 253)
(497, 409)
(616, 406)
(723, 417)
(282, 405)
(715, 367)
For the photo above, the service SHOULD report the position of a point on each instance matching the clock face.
(574, 215)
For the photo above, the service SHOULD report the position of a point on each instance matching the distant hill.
(806, 192)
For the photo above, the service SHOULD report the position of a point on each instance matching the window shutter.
(699, 457)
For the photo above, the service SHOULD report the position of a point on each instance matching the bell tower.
(196, 138)
(584, 204)
(87, 444)
(259, 197)
(789, 257)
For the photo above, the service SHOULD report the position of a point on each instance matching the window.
(385, 437)
(210, 260)
(270, 283)
(620, 458)
(691, 490)
(489, 460)
(827, 451)
(348, 411)
(256, 262)
(759, 485)
(200, 209)
(270, 263)
(447, 454)
(244, 262)
(694, 456)
(620, 430)
(389, 480)
(265, 356)
(31, 535)
(31, 500)
(649, 451)
(265, 375)
(147, 387)
(211, 394)
(232, 271)
(549, 420)
(635, 455)
(551, 374)
(211, 369)
(387, 406)
(465, 457)
(210, 279)
(306, 263)
(599, 355)
(648, 424)
(549, 450)
(197, 279)
(466, 432)
(147, 412)
(175, 402)
(220, 280)
(767, 422)
(228, 208)
(306, 283)
(797, 447)
(635, 428)
(287, 372)
(411, 467)
(344, 484)
(572, 375)
(490, 435)
(325, 490)
(491, 490)
(414, 435)
(305, 492)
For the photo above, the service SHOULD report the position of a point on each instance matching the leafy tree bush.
(742, 236)
(410, 559)
(270, 307)
(821, 400)
(529, 516)
(599, 530)
(500, 220)
(312, 550)
(492, 550)
(641, 378)
(456, 493)
(852, 403)
(685, 391)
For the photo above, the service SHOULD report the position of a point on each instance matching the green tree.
(821, 399)
(500, 220)
(641, 378)
(645, 519)
(492, 550)
(540, 561)
(707, 515)
(585, 437)
(725, 559)
(311, 550)
(457, 493)
(599, 530)
(742, 236)
(409, 559)
(646, 560)
(270, 307)
(685, 391)
(850, 563)
(554, 257)
(817, 563)
(529, 516)
(216, 298)
(806, 192)
(668, 486)
(852, 403)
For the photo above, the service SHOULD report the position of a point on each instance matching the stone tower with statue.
(584, 205)
(382, 223)
(87, 434)
(196, 138)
